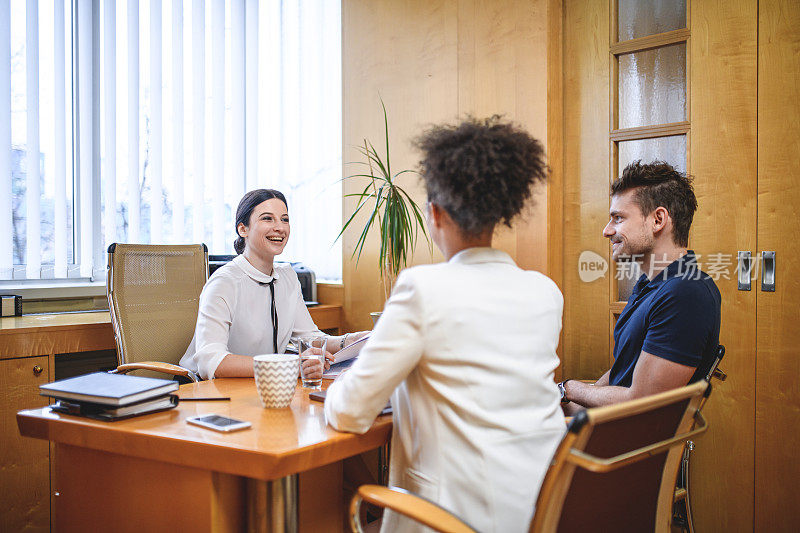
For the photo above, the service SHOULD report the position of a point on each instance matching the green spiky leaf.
(393, 211)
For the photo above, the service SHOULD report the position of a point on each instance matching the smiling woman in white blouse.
(252, 305)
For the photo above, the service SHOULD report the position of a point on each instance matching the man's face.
(628, 229)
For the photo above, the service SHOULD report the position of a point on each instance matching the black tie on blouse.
(273, 312)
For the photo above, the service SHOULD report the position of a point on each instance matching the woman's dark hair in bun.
(246, 205)
(481, 172)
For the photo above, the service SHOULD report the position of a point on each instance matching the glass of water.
(312, 360)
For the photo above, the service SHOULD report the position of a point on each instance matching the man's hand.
(651, 375)
(571, 408)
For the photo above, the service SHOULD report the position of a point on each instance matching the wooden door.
(777, 422)
(720, 125)
(744, 72)
(722, 157)
(24, 462)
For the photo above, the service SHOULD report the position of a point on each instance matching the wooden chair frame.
(569, 456)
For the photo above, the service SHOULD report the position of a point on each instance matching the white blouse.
(466, 350)
(235, 315)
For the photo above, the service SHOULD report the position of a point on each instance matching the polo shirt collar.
(471, 256)
(679, 267)
(254, 273)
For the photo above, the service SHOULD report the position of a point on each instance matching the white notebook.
(350, 351)
(344, 358)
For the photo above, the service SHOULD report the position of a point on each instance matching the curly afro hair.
(481, 172)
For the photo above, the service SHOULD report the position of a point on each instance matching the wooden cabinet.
(24, 462)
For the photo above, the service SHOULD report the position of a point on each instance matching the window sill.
(44, 290)
(54, 290)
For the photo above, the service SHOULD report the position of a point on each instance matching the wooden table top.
(281, 441)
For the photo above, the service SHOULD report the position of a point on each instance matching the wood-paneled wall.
(585, 338)
(434, 61)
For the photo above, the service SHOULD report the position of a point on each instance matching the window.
(146, 121)
(650, 118)
(35, 161)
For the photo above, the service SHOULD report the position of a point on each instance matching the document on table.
(351, 350)
(344, 358)
(337, 368)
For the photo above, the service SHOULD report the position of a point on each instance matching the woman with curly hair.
(467, 348)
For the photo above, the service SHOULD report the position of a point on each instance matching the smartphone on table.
(218, 423)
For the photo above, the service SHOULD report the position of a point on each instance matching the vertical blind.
(146, 121)
(36, 140)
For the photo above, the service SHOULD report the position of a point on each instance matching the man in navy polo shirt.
(668, 333)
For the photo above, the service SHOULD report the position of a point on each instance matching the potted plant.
(391, 209)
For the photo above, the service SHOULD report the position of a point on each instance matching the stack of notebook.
(106, 396)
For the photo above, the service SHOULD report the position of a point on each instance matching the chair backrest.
(153, 295)
(616, 467)
(714, 371)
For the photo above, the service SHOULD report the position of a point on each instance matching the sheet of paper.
(337, 368)
(348, 352)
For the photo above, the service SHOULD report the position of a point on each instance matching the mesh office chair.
(614, 470)
(153, 295)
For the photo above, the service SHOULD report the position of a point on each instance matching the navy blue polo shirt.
(675, 316)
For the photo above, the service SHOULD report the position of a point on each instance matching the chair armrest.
(601, 465)
(400, 500)
(719, 374)
(157, 366)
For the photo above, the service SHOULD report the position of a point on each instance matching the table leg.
(272, 505)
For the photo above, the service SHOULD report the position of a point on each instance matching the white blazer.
(466, 350)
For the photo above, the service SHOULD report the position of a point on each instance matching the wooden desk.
(29, 346)
(156, 472)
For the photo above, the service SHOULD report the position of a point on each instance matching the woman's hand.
(349, 338)
(311, 369)
(329, 357)
(309, 364)
(357, 336)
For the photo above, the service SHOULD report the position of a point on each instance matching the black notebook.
(107, 389)
(104, 412)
